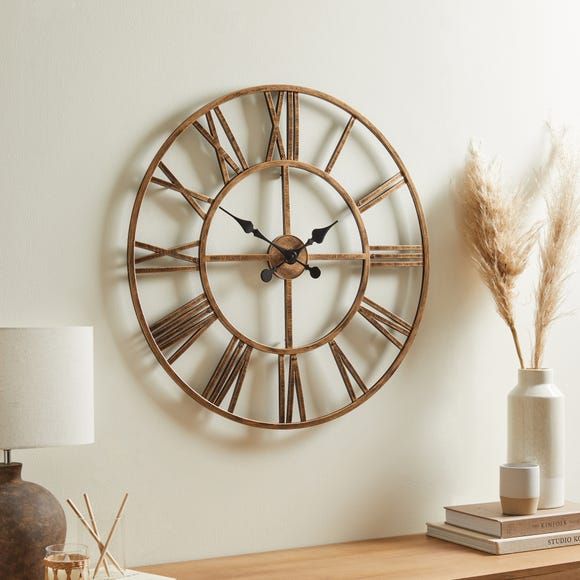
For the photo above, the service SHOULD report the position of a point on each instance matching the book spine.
(540, 542)
(541, 525)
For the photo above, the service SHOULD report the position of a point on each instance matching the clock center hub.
(288, 263)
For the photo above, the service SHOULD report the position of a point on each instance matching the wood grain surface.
(415, 556)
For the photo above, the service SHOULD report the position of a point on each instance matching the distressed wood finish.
(286, 218)
(385, 321)
(290, 391)
(275, 134)
(347, 371)
(264, 257)
(183, 325)
(191, 197)
(175, 252)
(276, 259)
(292, 124)
(231, 367)
(339, 146)
(231, 138)
(223, 158)
(398, 256)
(381, 192)
(288, 332)
(171, 336)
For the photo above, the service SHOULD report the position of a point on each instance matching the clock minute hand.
(317, 236)
(249, 228)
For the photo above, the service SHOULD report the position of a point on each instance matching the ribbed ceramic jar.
(536, 431)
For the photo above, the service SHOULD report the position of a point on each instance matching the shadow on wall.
(127, 334)
(426, 367)
(425, 471)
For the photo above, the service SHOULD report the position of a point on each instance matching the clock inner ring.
(289, 266)
(289, 269)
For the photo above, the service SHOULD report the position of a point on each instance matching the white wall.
(88, 92)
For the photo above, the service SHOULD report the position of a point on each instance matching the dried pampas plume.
(499, 241)
(556, 251)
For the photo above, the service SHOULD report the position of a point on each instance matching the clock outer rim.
(132, 276)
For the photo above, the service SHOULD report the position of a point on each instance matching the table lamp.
(46, 400)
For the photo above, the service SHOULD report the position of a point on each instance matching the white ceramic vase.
(536, 431)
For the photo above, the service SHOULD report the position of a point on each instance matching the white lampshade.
(46, 387)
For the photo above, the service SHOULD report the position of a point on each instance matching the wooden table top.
(415, 556)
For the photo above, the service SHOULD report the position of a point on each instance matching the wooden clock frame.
(188, 322)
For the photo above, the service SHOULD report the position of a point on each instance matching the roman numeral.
(275, 141)
(275, 111)
(385, 321)
(345, 368)
(230, 369)
(396, 256)
(287, 392)
(292, 125)
(157, 252)
(340, 145)
(378, 194)
(192, 197)
(224, 160)
(183, 325)
(231, 138)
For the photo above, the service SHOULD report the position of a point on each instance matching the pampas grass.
(499, 242)
(556, 253)
(500, 238)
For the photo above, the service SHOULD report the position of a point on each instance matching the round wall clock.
(278, 257)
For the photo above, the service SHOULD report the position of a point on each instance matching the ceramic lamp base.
(31, 519)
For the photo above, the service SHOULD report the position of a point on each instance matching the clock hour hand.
(249, 228)
(317, 236)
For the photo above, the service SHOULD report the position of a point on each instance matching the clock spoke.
(288, 313)
(340, 145)
(236, 258)
(346, 368)
(183, 326)
(381, 192)
(337, 257)
(286, 218)
(231, 369)
(398, 256)
(287, 392)
(385, 321)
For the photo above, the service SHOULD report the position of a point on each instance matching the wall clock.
(278, 257)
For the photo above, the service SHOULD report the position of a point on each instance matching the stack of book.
(484, 527)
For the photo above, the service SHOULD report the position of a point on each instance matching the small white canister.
(519, 488)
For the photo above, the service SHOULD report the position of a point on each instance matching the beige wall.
(88, 92)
